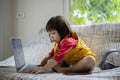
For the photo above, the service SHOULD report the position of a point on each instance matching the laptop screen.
(18, 53)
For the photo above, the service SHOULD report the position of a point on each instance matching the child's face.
(54, 36)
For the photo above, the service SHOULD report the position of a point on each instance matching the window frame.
(66, 8)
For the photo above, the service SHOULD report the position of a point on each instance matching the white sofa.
(99, 37)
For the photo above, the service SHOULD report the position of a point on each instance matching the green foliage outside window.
(94, 11)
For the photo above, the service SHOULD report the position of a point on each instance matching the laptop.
(19, 58)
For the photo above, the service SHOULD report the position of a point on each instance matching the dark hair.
(61, 25)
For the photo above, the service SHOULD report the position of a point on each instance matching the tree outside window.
(84, 12)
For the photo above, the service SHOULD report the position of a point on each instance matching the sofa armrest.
(108, 65)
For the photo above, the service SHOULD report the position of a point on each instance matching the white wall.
(36, 14)
(33, 14)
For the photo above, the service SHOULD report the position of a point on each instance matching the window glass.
(93, 11)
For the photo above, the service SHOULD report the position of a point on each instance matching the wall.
(23, 19)
(35, 15)
(5, 28)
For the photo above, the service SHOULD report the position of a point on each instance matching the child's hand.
(37, 70)
(59, 69)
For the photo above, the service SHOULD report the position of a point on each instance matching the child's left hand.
(37, 70)
(59, 69)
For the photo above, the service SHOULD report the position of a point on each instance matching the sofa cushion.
(100, 37)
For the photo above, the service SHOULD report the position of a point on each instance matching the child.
(70, 54)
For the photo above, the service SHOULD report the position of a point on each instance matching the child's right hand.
(37, 70)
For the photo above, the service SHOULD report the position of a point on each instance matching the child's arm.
(44, 61)
(51, 63)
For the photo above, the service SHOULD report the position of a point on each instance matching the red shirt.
(64, 47)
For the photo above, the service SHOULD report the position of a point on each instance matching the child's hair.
(61, 25)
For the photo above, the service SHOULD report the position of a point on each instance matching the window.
(82, 12)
